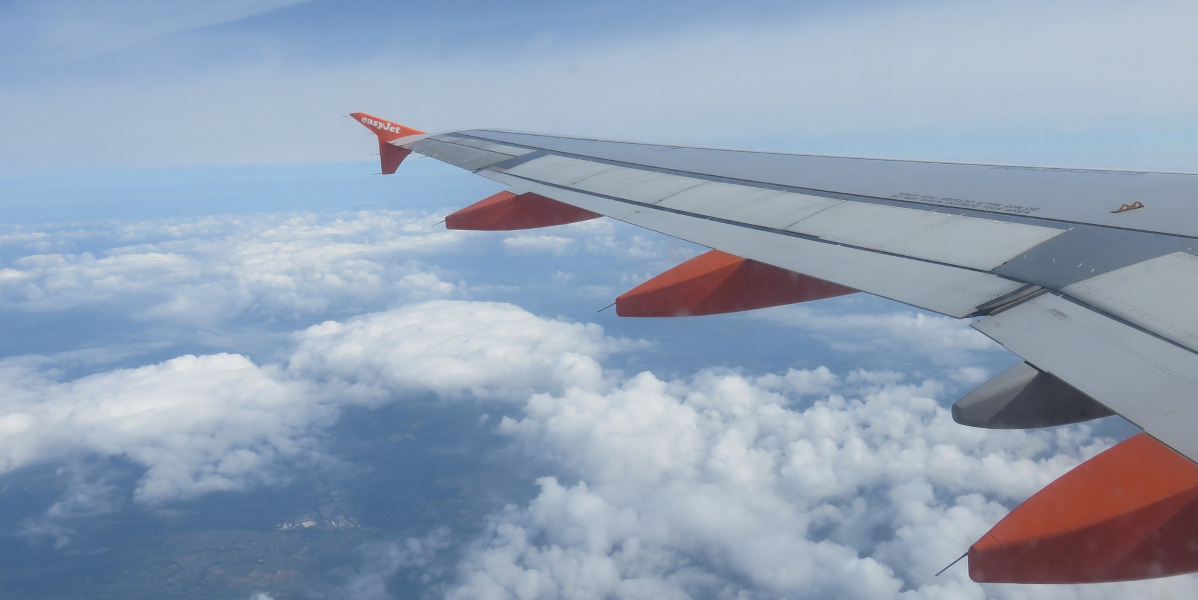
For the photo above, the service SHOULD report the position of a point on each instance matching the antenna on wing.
(951, 564)
(606, 307)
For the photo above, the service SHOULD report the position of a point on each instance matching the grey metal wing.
(1089, 275)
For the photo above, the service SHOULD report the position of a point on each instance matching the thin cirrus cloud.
(1020, 82)
(72, 30)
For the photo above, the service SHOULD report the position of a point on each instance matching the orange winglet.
(1128, 513)
(390, 156)
(506, 211)
(716, 282)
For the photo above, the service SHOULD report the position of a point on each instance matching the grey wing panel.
(446, 149)
(941, 288)
(1069, 195)
(924, 258)
(1157, 295)
(1148, 380)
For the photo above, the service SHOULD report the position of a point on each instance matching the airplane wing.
(1088, 275)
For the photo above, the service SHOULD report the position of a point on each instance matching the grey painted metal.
(596, 204)
(1024, 397)
(560, 170)
(489, 146)
(1067, 195)
(941, 288)
(952, 239)
(638, 185)
(1085, 251)
(762, 207)
(1144, 378)
(465, 157)
(1158, 295)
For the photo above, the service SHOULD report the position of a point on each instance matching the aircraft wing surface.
(1089, 275)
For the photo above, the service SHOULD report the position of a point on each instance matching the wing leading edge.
(1083, 273)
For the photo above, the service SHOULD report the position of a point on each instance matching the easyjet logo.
(381, 125)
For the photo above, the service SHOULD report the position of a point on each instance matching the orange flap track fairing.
(506, 211)
(1128, 513)
(717, 282)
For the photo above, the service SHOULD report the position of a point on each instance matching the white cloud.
(453, 348)
(210, 270)
(197, 423)
(538, 243)
(220, 422)
(713, 487)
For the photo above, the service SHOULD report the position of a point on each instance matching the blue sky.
(141, 83)
(218, 324)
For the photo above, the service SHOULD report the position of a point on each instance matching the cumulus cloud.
(453, 348)
(220, 422)
(212, 269)
(532, 244)
(196, 423)
(729, 486)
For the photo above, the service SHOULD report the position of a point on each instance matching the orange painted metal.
(506, 211)
(1128, 513)
(390, 156)
(386, 130)
(717, 282)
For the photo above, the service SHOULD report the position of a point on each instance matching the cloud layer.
(722, 483)
(211, 270)
(731, 486)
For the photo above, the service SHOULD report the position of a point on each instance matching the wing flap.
(1146, 379)
(637, 185)
(970, 242)
(1156, 294)
(763, 207)
(559, 170)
